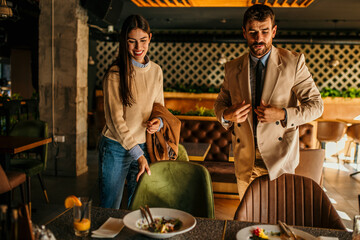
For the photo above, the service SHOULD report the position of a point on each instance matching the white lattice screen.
(197, 63)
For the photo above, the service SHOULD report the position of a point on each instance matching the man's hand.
(267, 113)
(153, 125)
(237, 113)
(143, 166)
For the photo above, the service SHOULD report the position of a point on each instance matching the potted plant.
(341, 104)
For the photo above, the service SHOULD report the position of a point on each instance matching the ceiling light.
(91, 61)
(110, 29)
(5, 11)
(333, 62)
(222, 60)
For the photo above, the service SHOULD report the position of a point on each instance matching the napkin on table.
(109, 229)
(326, 238)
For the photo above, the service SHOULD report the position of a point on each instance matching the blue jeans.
(116, 165)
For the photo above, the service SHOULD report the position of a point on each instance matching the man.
(265, 96)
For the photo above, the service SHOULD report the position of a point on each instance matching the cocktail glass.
(82, 217)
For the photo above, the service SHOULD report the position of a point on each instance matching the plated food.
(271, 232)
(260, 233)
(182, 222)
(160, 225)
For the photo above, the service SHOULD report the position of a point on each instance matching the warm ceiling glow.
(221, 3)
(5, 11)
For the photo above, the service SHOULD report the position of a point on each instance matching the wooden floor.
(342, 189)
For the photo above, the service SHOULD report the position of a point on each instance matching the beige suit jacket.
(287, 84)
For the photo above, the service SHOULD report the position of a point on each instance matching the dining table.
(196, 151)
(205, 228)
(15, 144)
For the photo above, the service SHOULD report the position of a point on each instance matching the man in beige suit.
(265, 96)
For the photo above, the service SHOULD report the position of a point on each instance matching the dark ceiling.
(325, 15)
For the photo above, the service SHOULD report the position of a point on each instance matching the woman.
(131, 86)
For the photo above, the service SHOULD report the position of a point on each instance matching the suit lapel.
(273, 71)
(244, 85)
(243, 78)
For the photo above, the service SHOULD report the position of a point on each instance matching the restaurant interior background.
(58, 51)
(190, 43)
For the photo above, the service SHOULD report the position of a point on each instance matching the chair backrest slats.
(294, 199)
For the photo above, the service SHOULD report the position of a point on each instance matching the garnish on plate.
(161, 225)
(260, 234)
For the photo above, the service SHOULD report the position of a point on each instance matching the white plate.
(188, 221)
(246, 233)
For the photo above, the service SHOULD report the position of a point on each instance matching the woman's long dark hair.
(123, 61)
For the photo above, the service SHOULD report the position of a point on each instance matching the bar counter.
(205, 228)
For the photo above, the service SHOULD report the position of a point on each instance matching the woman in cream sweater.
(131, 86)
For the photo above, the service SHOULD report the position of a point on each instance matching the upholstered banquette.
(222, 171)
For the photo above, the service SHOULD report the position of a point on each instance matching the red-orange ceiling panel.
(221, 3)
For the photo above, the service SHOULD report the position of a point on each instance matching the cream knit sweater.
(127, 125)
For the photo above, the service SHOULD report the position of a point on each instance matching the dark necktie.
(259, 69)
(258, 91)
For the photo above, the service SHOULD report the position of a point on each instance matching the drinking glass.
(356, 232)
(82, 217)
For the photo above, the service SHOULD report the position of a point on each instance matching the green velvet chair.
(31, 162)
(180, 185)
(182, 154)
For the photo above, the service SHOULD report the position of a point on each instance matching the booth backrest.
(207, 132)
(220, 139)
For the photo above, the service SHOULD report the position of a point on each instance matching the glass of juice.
(82, 217)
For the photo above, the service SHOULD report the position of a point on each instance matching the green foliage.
(16, 96)
(191, 88)
(328, 92)
(349, 93)
(199, 111)
(174, 112)
(4, 97)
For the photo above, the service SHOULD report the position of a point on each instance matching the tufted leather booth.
(217, 161)
(293, 199)
(220, 139)
(207, 132)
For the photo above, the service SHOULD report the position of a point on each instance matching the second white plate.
(246, 233)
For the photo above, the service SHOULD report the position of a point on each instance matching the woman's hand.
(143, 166)
(153, 125)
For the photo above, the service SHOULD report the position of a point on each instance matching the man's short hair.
(258, 12)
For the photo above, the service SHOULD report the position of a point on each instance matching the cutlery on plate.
(144, 214)
(148, 211)
(288, 231)
(284, 229)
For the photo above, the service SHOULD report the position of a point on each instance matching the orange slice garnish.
(72, 201)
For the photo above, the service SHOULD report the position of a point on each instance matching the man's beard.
(259, 52)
